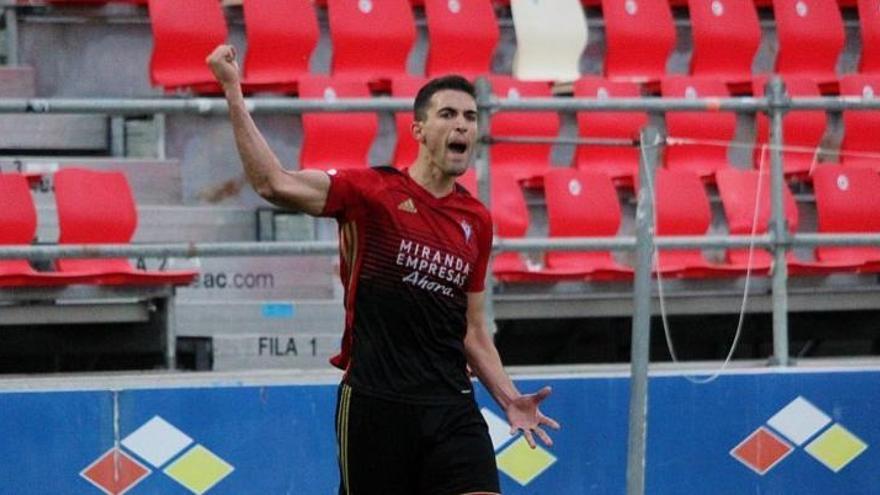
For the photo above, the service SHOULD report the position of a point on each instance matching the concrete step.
(263, 317)
(55, 132)
(17, 81)
(274, 351)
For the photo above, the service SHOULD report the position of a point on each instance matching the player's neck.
(432, 179)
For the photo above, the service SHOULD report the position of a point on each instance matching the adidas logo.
(408, 206)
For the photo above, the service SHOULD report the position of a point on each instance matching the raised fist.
(223, 64)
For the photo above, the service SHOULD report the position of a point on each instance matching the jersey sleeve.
(477, 281)
(347, 189)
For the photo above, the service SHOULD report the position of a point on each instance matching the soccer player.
(414, 248)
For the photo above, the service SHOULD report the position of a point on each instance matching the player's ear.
(417, 130)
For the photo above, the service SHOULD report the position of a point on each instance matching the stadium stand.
(811, 39)
(621, 163)
(384, 29)
(859, 147)
(281, 36)
(462, 36)
(322, 132)
(184, 33)
(550, 37)
(803, 130)
(726, 36)
(639, 38)
(189, 187)
(526, 162)
(712, 131)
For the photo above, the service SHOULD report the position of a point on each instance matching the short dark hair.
(452, 81)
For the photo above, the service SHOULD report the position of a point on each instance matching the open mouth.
(457, 147)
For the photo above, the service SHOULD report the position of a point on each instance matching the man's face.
(449, 131)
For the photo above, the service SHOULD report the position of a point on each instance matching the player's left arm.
(521, 409)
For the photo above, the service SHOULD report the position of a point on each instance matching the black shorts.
(391, 448)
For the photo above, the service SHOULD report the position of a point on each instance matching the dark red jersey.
(408, 260)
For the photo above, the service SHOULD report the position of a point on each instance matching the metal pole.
(778, 104)
(484, 180)
(641, 327)
(11, 36)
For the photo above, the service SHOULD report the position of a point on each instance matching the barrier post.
(778, 104)
(484, 180)
(641, 326)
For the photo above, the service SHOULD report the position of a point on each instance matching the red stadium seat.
(639, 37)
(511, 218)
(811, 38)
(682, 209)
(860, 147)
(847, 201)
(582, 204)
(462, 35)
(18, 226)
(726, 35)
(738, 190)
(184, 34)
(803, 129)
(371, 39)
(281, 36)
(869, 30)
(336, 140)
(526, 162)
(96, 207)
(714, 129)
(407, 148)
(619, 163)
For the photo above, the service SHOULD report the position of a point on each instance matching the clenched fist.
(224, 66)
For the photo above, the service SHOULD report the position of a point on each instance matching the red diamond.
(761, 450)
(115, 472)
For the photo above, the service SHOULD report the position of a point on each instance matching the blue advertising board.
(806, 432)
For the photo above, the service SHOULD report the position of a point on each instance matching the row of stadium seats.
(372, 39)
(585, 204)
(94, 207)
(699, 139)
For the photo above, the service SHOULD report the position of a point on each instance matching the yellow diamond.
(198, 470)
(522, 463)
(836, 448)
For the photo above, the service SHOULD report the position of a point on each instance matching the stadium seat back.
(738, 190)
(462, 36)
(861, 128)
(406, 149)
(336, 140)
(639, 38)
(580, 204)
(802, 130)
(371, 38)
(524, 161)
(847, 201)
(618, 162)
(726, 35)
(281, 36)
(811, 38)
(550, 37)
(714, 129)
(869, 30)
(184, 34)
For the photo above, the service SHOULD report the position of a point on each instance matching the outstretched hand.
(223, 64)
(523, 414)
